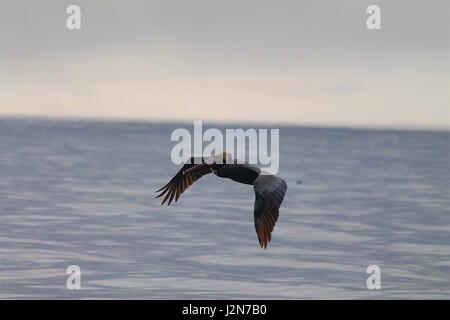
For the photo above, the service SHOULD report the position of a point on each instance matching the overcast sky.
(280, 62)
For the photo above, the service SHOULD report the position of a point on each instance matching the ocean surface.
(82, 193)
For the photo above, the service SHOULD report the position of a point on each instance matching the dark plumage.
(269, 189)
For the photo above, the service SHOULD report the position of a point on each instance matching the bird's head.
(218, 161)
(214, 163)
(220, 158)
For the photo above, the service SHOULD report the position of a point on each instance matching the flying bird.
(269, 189)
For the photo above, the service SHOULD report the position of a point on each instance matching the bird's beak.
(193, 168)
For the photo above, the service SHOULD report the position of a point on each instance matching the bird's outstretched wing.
(182, 180)
(269, 193)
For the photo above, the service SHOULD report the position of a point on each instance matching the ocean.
(83, 193)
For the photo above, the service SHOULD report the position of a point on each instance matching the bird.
(269, 189)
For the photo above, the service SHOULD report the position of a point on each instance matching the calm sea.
(82, 193)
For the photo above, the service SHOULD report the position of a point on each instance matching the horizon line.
(359, 126)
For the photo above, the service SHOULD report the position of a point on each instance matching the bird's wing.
(182, 180)
(269, 193)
